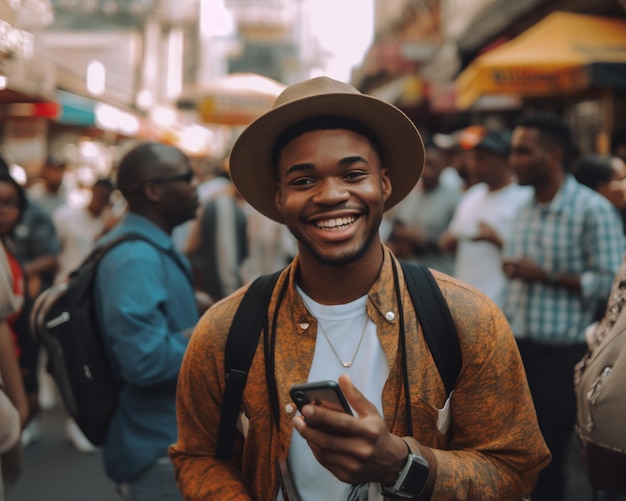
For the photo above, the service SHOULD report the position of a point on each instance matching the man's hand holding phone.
(356, 449)
(322, 393)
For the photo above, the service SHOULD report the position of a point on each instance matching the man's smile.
(336, 223)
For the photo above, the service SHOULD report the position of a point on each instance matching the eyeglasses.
(11, 203)
(187, 177)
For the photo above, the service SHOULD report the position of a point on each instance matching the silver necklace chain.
(349, 363)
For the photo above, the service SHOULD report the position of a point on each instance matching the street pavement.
(54, 471)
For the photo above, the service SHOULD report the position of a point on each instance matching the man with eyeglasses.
(146, 308)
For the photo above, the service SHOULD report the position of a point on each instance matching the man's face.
(434, 163)
(331, 191)
(9, 207)
(179, 196)
(485, 165)
(615, 190)
(53, 176)
(100, 199)
(529, 156)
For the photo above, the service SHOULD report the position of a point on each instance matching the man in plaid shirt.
(566, 247)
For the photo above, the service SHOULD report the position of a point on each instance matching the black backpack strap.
(438, 326)
(241, 345)
(98, 252)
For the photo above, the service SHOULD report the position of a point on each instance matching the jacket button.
(390, 315)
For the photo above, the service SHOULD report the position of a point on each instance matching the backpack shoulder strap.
(98, 252)
(438, 326)
(241, 345)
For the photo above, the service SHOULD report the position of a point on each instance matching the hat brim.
(251, 160)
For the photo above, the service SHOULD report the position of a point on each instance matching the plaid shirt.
(578, 233)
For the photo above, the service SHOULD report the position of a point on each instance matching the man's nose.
(331, 191)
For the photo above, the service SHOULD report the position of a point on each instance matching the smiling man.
(328, 161)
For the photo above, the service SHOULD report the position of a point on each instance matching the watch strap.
(426, 452)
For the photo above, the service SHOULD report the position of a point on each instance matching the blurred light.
(129, 124)
(106, 116)
(145, 99)
(215, 19)
(3, 82)
(96, 77)
(195, 139)
(18, 173)
(88, 149)
(174, 63)
(116, 120)
(164, 117)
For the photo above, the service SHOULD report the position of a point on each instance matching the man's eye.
(355, 175)
(302, 181)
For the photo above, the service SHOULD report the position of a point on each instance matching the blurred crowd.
(467, 217)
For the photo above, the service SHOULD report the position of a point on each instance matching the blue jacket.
(144, 300)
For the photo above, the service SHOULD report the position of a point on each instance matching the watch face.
(416, 478)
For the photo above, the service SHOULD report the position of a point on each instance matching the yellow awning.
(565, 52)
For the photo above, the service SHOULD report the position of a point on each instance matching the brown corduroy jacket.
(493, 450)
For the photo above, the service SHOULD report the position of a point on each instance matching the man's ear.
(386, 184)
(152, 192)
(555, 156)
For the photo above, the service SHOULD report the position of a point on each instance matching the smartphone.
(324, 393)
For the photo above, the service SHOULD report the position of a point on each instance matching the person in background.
(601, 457)
(50, 192)
(218, 243)
(607, 176)
(270, 245)
(36, 245)
(328, 161)
(213, 181)
(419, 220)
(10, 416)
(618, 145)
(482, 220)
(14, 318)
(77, 229)
(10, 419)
(146, 307)
(566, 247)
(454, 174)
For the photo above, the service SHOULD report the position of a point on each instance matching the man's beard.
(349, 256)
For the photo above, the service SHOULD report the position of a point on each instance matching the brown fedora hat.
(251, 160)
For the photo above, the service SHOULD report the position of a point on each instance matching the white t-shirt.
(78, 230)
(343, 325)
(479, 263)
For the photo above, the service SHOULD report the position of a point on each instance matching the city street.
(54, 471)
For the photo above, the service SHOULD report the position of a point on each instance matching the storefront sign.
(536, 80)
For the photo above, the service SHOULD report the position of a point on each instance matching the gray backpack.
(601, 410)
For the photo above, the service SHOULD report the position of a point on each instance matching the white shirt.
(343, 324)
(479, 263)
(77, 230)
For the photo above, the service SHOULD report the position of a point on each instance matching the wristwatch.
(411, 479)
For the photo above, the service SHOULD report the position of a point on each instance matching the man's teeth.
(338, 223)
